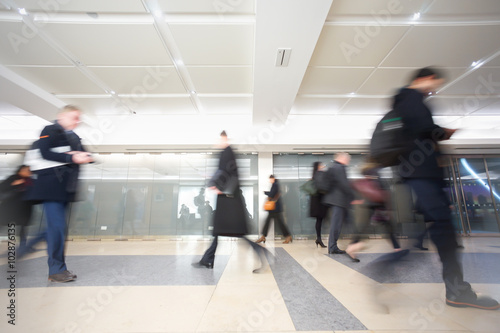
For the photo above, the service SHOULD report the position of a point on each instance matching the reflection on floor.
(138, 286)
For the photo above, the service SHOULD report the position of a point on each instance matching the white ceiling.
(165, 74)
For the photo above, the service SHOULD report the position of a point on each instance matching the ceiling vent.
(283, 57)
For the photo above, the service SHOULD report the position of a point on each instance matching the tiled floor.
(140, 286)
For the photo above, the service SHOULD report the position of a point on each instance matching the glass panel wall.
(125, 196)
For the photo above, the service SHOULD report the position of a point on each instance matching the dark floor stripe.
(418, 267)
(311, 306)
(119, 270)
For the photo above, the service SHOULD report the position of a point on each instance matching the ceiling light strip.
(173, 52)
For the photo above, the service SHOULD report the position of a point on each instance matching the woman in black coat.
(277, 214)
(230, 217)
(13, 208)
(316, 208)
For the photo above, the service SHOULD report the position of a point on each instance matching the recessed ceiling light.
(476, 64)
(416, 15)
(22, 11)
(158, 13)
(352, 93)
(192, 92)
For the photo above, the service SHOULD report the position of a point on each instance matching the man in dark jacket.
(420, 168)
(340, 196)
(55, 184)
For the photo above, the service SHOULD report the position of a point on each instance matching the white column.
(265, 169)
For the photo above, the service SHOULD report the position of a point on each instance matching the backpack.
(389, 140)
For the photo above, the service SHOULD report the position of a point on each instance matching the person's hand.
(81, 158)
(448, 132)
(18, 182)
(216, 190)
(357, 202)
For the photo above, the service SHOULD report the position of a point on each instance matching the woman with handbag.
(230, 217)
(275, 208)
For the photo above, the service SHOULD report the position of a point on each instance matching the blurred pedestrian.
(56, 186)
(13, 208)
(230, 218)
(421, 169)
(276, 214)
(339, 197)
(316, 207)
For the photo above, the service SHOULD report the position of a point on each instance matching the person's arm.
(343, 183)
(47, 141)
(274, 191)
(6, 184)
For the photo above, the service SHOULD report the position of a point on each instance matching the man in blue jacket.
(421, 169)
(55, 183)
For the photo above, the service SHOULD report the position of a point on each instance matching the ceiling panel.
(58, 80)
(457, 106)
(333, 80)
(482, 81)
(227, 106)
(343, 46)
(164, 106)
(222, 79)
(462, 7)
(476, 122)
(208, 6)
(493, 109)
(215, 44)
(97, 106)
(367, 106)
(7, 109)
(444, 46)
(141, 80)
(311, 106)
(387, 81)
(22, 48)
(112, 44)
(376, 7)
(98, 6)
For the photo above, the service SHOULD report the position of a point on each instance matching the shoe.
(421, 247)
(65, 276)
(320, 243)
(288, 239)
(352, 249)
(337, 251)
(259, 270)
(262, 239)
(201, 264)
(471, 299)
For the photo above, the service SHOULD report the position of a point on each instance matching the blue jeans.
(55, 212)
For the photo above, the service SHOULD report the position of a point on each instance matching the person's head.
(224, 142)
(24, 171)
(272, 179)
(69, 117)
(316, 167)
(427, 80)
(342, 158)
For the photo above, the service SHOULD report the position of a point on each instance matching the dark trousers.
(434, 203)
(55, 212)
(209, 256)
(339, 214)
(279, 220)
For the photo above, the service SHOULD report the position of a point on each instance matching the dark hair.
(316, 167)
(427, 71)
(223, 133)
(272, 177)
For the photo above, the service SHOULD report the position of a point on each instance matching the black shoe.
(471, 299)
(337, 251)
(320, 243)
(354, 259)
(201, 264)
(421, 247)
(65, 276)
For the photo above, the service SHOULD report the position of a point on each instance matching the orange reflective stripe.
(43, 137)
